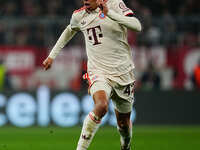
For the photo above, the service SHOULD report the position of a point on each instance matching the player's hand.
(47, 63)
(103, 6)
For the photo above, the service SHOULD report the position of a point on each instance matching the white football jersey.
(106, 40)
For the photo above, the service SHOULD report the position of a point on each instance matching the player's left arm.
(122, 15)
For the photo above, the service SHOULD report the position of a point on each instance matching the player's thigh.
(123, 98)
(100, 90)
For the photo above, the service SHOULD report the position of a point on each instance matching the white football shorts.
(122, 95)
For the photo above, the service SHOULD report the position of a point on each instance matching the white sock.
(90, 126)
(125, 136)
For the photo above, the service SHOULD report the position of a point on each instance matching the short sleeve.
(121, 8)
(74, 23)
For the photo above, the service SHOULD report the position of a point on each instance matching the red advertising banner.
(24, 65)
(18, 60)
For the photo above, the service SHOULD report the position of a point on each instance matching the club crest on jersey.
(101, 15)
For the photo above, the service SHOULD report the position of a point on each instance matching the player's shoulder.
(78, 14)
(111, 2)
(79, 11)
(116, 2)
(120, 6)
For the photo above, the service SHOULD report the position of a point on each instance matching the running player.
(110, 66)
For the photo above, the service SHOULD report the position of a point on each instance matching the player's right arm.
(121, 14)
(65, 37)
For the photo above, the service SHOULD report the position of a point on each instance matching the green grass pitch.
(107, 138)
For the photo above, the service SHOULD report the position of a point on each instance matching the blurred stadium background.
(44, 110)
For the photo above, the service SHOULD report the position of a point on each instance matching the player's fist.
(47, 63)
(103, 6)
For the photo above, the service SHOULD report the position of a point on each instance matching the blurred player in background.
(110, 67)
(196, 75)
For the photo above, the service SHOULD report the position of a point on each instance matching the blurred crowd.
(51, 8)
(38, 23)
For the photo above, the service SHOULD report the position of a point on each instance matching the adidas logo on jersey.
(83, 22)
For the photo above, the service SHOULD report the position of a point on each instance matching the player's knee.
(102, 107)
(124, 123)
(101, 103)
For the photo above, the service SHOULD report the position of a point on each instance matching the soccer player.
(110, 67)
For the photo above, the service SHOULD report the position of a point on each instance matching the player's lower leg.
(125, 137)
(92, 121)
(124, 127)
(90, 126)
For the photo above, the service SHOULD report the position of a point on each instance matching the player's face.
(90, 4)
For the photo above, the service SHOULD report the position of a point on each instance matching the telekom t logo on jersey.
(92, 34)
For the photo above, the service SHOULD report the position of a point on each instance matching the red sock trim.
(92, 117)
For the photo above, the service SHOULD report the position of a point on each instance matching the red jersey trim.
(86, 76)
(78, 10)
(129, 14)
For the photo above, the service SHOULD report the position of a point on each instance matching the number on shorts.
(129, 89)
